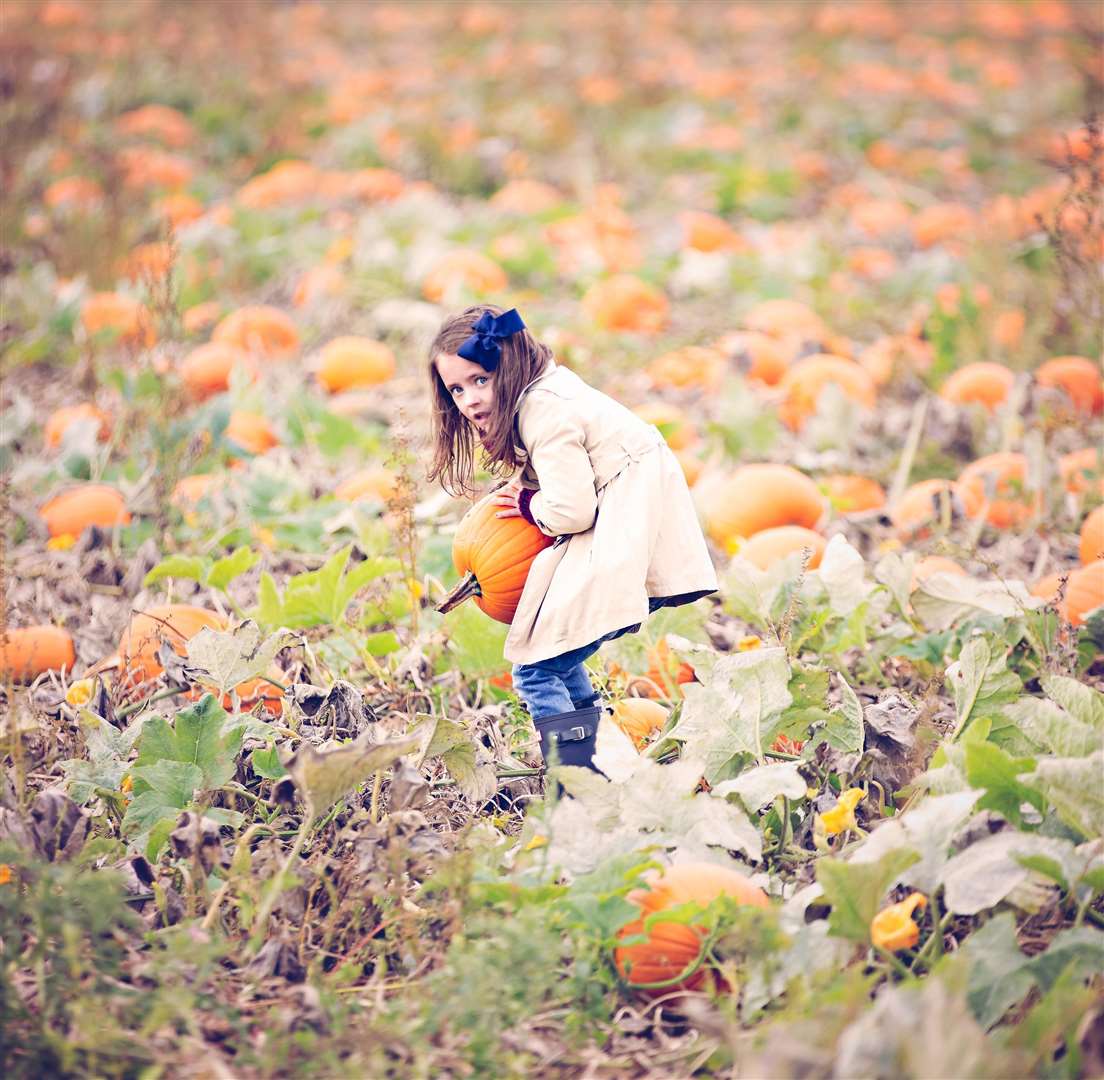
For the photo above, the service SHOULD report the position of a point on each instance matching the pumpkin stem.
(466, 588)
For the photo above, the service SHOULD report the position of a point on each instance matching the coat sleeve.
(567, 501)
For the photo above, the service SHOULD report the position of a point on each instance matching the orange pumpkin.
(802, 384)
(191, 489)
(378, 483)
(136, 658)
(205, 371)
(934, 564)
(783, 318)
(625, 302)
(261, 329)
(691, 466)
(677, 429)
(666, 673)
(759, 357)
(1079, 468)
(982, 383)
(639, 718)
(162, 122)
(895, 353)
(921, 506)
(463, 271)
(1011, 506)
(670, 947)
(1084, 591)
(287, 182)
(707, 232)
(317, 283)
(493, 556)
(1091, 545)
(61, 419)
(853, 494)
(690, 366)
(251, 431)
(944, 221)
(526, 196)
(26, 653)
(766, 548)
(122, 315)
(149, 261)
(1079, 377)
(347, 362)
(71, 512)
(73, 192)
(758, 497)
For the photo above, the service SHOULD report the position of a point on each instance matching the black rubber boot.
(585, 703)
(569, 737)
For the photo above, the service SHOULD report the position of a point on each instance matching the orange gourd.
(493, 556)
(758, 497)
(625, 302)
(690, 366)
(1079, 377)
(71, 512)
(934, 564)
(1079, 468)
(921, 506)
(852, 494)
(206, 370)
(463, 271)
(61, 419)
(766, 548)
(802, 384)
(758, 356)
(1091, 545)
(1011, 505)
(639, 718)
(983, 383)
(1084, 591)
(136, 658)
(259, 329)
(27, 652)
(676, 428)
(348, 362)
(122, 315)
(378, 483)
(671, 948)
(251, 431)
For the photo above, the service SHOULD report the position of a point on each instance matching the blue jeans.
(553, 686)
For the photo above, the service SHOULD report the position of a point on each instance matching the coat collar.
(547, 370)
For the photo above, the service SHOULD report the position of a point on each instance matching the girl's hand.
(507, 497)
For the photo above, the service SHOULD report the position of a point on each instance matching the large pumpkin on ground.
(921, 506)
(62, 419)
(206, 370)
(350, 361)
(1011, 505)
(766, 548)
(758, 497)
(1091, 546)
(493, 556)
(71, 512)
(259, 329)
(639, 718)
(803, 383)
(1084, 591)
(672, 947)
(28, 652)
(983, 383)
(625, 302)
(1079, 377)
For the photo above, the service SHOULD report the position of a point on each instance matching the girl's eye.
(481, 379)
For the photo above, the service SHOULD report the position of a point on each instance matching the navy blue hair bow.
(483, 347)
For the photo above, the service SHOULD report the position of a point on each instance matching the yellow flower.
(5, 873)
(538, 841)
(893, 928)
(746, 644)
(264, 536)
(61, 543)
(127, 784)
(80, 693)
(842, 816)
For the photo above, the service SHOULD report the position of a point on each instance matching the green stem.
(138, 706)
(893, 962)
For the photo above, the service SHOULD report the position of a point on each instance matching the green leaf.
(227, 658)
(1082, 702)
(322, 776)
(200, 737)
(266, 763)
(988, 767)
(382, 643)
(475, 643)
(942, 600)
(270, 608)
(763, 784)
(845, 730)
(894, 571)
(453, 745)
(1074, 787)
(357, 578)
(193, 567)
(981, 683)
(856, 890)
(999, 975)
(842, 572)
(985, 873)
(726, 717)
(224, 570)
(1052, 728)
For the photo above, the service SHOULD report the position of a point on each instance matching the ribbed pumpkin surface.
(672, 947)
(499, 551)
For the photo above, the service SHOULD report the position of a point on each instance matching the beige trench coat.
(614, 495)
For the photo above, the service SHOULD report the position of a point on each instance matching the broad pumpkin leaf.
(324, 775)
(226, 658)
(981, 683)
(475, 643)
(726, 717)
(224, 570)
(942, 600)
(856, 890)
(991, 770)
(200, 735)
(1074, 788)
(759, 786)
(452, 743)
(1081, 701)
(1053, 729)
(192, 567)
(894, 571)
(842, 573)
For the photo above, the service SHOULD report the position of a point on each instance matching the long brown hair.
(523, 359)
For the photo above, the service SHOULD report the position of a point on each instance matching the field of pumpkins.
(267, 810)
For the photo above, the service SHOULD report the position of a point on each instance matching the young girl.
(585, 470)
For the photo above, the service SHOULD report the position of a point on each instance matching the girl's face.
(469, 386)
